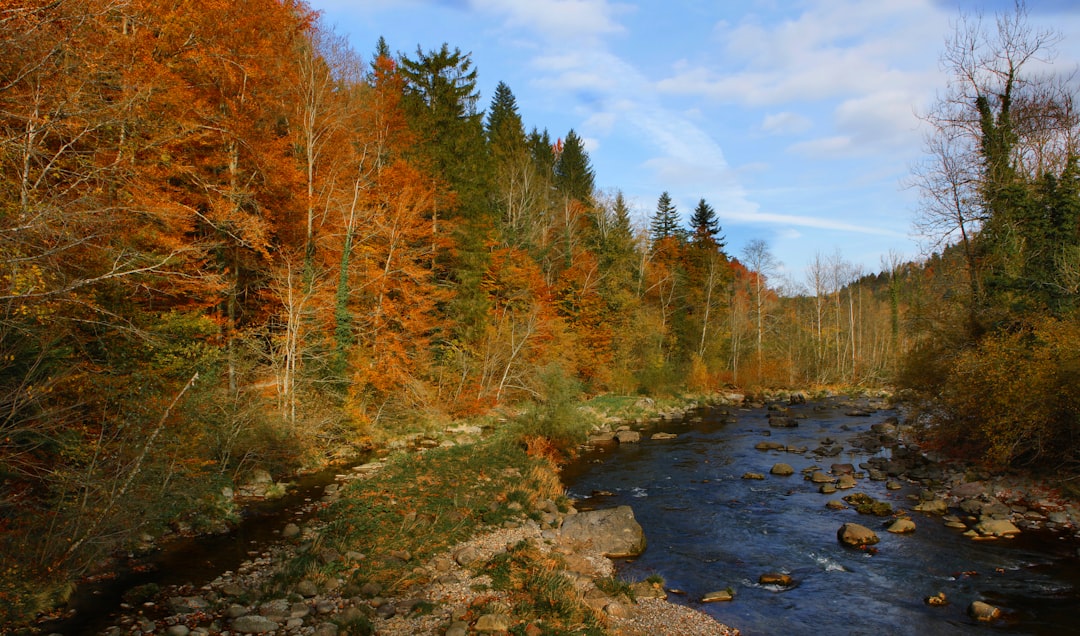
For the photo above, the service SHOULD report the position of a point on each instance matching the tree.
(440, 99)
(761, 263)
(705, 227)
(665, 221)
(518, 183)
(574, 176)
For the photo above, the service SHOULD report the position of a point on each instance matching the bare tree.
(761, 262)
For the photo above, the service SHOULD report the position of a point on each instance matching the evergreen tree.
(440, 98)
(574, 176)
(542, 151)
(504, 126)
(706, 227)
(665, 221)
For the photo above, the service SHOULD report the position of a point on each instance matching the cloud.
(821, 223)
(558, 20)
(785, 122)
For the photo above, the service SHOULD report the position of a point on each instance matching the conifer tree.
(665, 221)
(574, 176)
(706, 227)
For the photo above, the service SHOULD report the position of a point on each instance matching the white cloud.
(785, 122)
(558, 20)
(772, 218)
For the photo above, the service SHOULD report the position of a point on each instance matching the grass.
(422, 504)
(539, 593)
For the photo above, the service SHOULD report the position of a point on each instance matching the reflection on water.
(709, 529)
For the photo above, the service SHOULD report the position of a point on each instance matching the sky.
(797, 120)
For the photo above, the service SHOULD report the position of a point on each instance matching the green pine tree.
(665, 221)
(706, 227)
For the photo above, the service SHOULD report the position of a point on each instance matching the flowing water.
(709, 529)
(194, 561)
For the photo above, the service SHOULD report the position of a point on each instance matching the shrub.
(1015, 398)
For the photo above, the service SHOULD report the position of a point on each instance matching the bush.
(1015, 397)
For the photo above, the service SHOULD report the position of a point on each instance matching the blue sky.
(795, 119)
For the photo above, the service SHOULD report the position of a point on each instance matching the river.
(709, 529)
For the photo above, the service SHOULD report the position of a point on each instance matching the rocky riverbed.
(447, 600)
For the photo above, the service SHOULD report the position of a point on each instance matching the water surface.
(709, 529)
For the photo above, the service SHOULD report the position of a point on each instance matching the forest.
(230, 242)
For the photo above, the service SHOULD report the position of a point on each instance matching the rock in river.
(856, 536)
(782, 469)
(983, 611)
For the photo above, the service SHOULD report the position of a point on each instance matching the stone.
(769, 446)
(776, 578)
(753, 476)
(489, 623)
(177, 630)
(719, 596)
(371, 589)
(997, 528)
(601, 438)
(933, 507)
(291, 530)
(902, 525)
(981, 611)
(616, 609)
(845, 482)
(325, 629)
(458, 628)
(614, 531)
(782, 469)
(188, 604)
(628, 437)
(645, 589)
(661, 436)
(835, 504)
(842, 469)
(821, 477)
(827, 489)
(307, 588)
(856, 536)
(937, 600)
(254, 624)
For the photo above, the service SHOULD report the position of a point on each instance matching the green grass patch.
(539, 592)
(422, 504)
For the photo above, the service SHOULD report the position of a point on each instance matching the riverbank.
(376, 554)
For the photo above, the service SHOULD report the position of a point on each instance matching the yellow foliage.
(1015, 398)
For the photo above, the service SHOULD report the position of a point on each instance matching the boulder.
(902, 525)
(997, 528)
(983, 611)
(821, 477)
(614, 531)
(933, 507)
(628, 437)
(845, 482)
(253, 624)
(718, 596)
(603, 437)
(769, 446)
(660, 436)
(776, 578)
(856, 536)
(782, 469)
(753, 476)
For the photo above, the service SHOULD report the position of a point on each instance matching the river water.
(193, 561)
(709, 529)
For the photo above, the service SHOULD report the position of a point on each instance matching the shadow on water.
(194, 561)
(709, 529)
